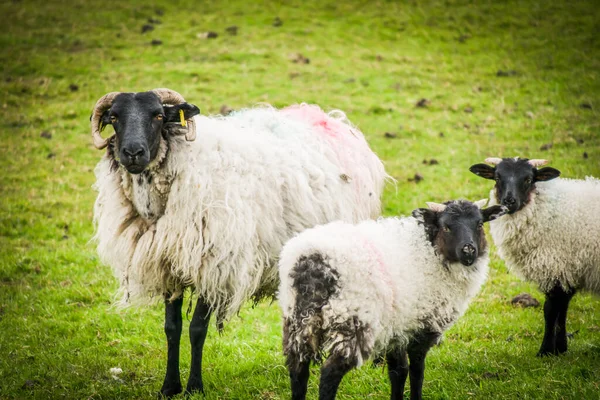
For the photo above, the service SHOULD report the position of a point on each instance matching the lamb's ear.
(546, 174)
(493, 212)
(425, 216)
(172, 112)
(483, 170)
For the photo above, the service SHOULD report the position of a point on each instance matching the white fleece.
(213, 214)
(555, 238)
(391, 282)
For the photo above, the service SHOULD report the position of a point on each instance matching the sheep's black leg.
(397, 372)
(198, 331)
(561, 322)
(332, 373)
(417, 351)
(172, 384)
(555, 316)
(299, 374)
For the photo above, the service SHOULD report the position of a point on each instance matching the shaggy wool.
(213, 214)
(390, 284)
(555, 238)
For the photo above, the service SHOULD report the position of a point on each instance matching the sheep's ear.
(546, 174)
(105, 119)
(172, 112)
(493, 212)
(425, 216)
(483, 170)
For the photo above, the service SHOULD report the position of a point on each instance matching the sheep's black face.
(457, 231)
(138, 120)
(515, 180)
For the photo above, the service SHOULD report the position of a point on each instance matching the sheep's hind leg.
(332, 373)
(397, 372)
(555, 315)
(172, 383)
(299, 374)
(198, 331)
(417, 351)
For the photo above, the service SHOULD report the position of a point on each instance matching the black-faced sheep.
(212, 214)
(390, 286)
(551, 235)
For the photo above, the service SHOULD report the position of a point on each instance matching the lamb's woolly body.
(555, 238)
(213, 214)
(390, 285)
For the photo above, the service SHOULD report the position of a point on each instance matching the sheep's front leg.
(397, 372)
(417, 351)
(198, 331)
(555, 318)
(332, 373)
(173, 322)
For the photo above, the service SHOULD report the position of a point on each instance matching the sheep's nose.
(509, 201)
(468, 250)
(133, 152)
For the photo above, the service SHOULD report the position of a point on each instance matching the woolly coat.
(213, 214)
(390, 285)
(555, 238)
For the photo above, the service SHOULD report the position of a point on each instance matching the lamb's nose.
(468, 250)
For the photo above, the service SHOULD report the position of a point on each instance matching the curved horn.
(101, 105)
(168, 96)
(436, 206)
(537, 162)
(493, 160)
(480, 203)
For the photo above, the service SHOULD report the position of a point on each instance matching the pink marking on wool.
(381, 266)
(317, 117)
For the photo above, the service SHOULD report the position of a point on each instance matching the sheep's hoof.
(194, 388)
(169, 392)
(547, 353)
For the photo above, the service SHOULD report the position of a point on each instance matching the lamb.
(390, 286)
(206, 203)
(551, 235)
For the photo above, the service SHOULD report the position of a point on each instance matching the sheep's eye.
(528, 181)
(113, 119)
(159, 117)
(480, 225)
(446, 228)
(497, 179)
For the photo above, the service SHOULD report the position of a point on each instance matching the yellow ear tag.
(183, 121)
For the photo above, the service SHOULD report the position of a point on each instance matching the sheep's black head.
(455, 228)
(515, 179)
(139, 120)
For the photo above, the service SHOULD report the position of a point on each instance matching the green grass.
(59, 335)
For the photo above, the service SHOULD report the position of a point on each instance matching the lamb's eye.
(159, 117)
(113, 119)
(446, 228)
(528, 181)
(497, 179)
(480, 225)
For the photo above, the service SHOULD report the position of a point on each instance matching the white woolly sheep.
(551, 235)
(212, 214)
(390, 286)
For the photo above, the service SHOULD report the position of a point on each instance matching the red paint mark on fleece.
(317, 117)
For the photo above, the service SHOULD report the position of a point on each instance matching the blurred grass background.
(453, 81)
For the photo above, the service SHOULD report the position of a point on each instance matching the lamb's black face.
(515, 180)
(138, 120)
(457, 231)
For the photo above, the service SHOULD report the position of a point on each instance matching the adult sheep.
(551, 235)
(206, 203)
(390, 286)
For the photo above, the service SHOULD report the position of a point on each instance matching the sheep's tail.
(312, 281)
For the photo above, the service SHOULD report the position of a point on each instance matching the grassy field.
(517, 78)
